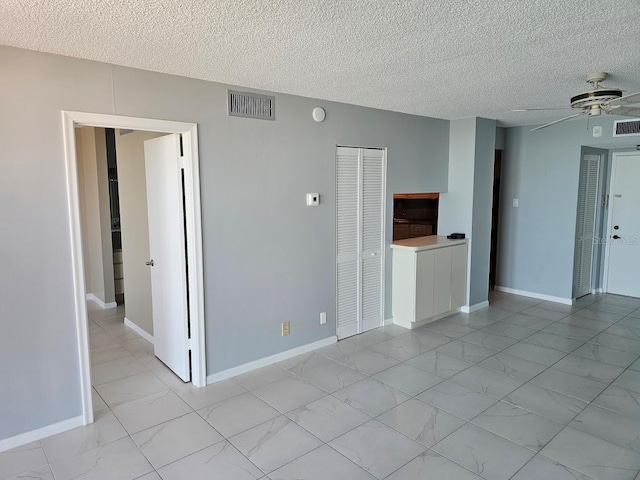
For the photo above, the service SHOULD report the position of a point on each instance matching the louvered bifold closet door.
(359, 245)
(372, 202)
(347, 221)
(585, 224)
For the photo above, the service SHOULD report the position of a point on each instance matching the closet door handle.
(150, 263)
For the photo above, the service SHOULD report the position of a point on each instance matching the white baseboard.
(474, 308)
(266, 361)
(138, 330)
(539, 296)
(387, 321)
(33, 435)
(92, 298)
(597, 290)
(411, 325)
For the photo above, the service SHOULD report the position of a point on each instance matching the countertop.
(426, 243)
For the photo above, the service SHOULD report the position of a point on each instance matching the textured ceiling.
(439, 58)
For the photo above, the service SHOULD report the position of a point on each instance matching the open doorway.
(495, 217)
(180, 147)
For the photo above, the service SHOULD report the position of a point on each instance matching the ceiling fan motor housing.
(595, 98)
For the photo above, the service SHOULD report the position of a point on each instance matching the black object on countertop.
(456, 236)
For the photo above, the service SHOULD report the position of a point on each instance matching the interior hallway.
(522, 390)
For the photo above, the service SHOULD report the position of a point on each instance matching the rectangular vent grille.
(623, 128)
(252, 105)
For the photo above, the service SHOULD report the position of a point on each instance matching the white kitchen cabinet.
(429, 279)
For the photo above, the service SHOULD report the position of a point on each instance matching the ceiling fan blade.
(558, 121)
(626, 111)
(626, 100)
(537, 109)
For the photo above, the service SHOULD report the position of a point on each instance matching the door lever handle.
(616, 237)
(150, 263)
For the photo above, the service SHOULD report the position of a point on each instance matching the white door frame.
(607, 246)
(189, 132)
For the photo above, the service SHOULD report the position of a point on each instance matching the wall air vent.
(624, 128)
(252, 105)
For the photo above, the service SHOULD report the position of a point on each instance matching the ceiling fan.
(597, 100)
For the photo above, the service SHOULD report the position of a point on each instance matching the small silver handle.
(149, 263)
(373, 254)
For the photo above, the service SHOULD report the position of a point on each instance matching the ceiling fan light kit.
(598, 100)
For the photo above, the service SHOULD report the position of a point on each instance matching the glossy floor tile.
(522, 390)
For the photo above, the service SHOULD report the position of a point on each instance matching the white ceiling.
(439, 58)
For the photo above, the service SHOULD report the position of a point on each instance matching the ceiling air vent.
(623, 128)
(252, 105)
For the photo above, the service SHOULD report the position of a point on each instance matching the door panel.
(347, 201)
(359, 239)
(624, 252)
(585, 224)
(424, 284)
(458, 276)
(167, 247)
(372, 181)
(442, 285)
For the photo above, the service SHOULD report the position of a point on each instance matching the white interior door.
(372, 228)
(167, 246)
(359, 239)
(586, 224)
(623, 250)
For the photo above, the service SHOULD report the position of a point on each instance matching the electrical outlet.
(286, 329)
(323, 318)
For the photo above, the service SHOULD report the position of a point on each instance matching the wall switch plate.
(286, 329)
(597, 131)
(323, 318)
(516, 202)
(313, 199)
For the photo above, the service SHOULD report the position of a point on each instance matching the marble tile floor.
(521, 390)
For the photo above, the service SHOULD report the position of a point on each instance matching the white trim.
(144, 334)
(33, 435)
(266, 361)
(387, 321)
(189, 132)
(77, 263)
(383, 250)
(596, 290)
(474, 308)
(411, 325)
(539, 296)
(93, 298)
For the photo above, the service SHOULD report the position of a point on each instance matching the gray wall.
(466, 207)
(93, 187)
(537, 240)
(268, 258)
(500, 133)
(482, 203)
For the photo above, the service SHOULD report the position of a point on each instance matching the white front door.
(165, 206)
(623, 274)
(360, 174)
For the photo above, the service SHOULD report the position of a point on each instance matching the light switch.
(516, 202)
(597, 131)
(313, 199)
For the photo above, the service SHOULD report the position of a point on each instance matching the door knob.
(149, 263)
